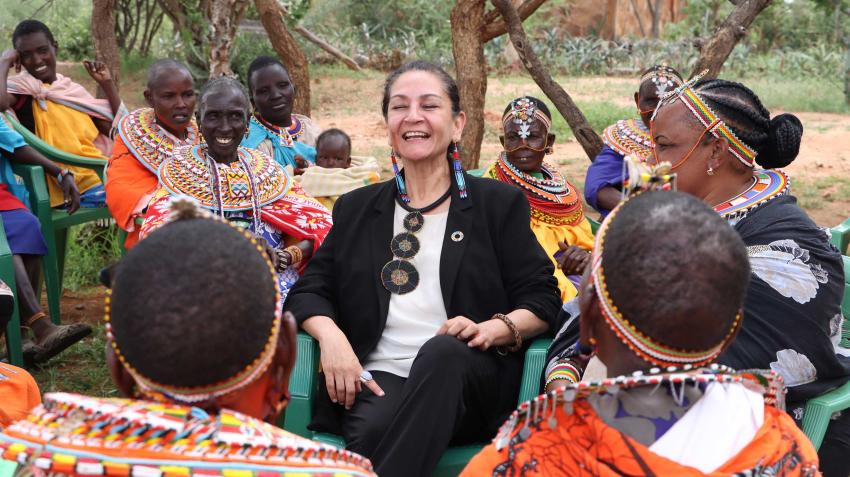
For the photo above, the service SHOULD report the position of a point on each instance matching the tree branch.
(334, 51)
(717, 49)
(589, 140)
(495, 27)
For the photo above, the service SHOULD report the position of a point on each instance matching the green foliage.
(246, 47)
(90, 249)
(375, 28)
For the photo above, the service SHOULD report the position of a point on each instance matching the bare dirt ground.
(820, 175)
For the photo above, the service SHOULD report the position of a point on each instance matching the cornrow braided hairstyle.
(776, 140)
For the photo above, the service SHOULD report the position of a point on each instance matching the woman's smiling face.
(420, 120)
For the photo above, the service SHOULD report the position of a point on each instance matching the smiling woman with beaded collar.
(664, 409)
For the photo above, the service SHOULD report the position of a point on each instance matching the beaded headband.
(523, 112)
(709, 119)
(184, 208)
(644, 346)
(663, 77)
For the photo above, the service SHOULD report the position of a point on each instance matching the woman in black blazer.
(423, 293)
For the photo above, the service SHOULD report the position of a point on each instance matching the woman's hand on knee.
(477, 335)
(342, 370)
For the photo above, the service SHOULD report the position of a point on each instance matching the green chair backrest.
(845, 305)
(594, 225)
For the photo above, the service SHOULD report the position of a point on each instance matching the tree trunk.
(467, 20)
(494, 26)
(636, 12)
(103, 37)
(271, 16)
(224, 18)
(609, 30)
(714, 52)
(334, 51)
(655, 11)
(589, 140)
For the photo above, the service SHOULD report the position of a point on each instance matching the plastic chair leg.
(54, 268)
(13, 329)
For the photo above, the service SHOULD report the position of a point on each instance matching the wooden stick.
(586, 136)
(335, 52)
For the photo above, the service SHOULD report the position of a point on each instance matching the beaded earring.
(458, 171)
(399, 180)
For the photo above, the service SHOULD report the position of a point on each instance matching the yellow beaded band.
(645, 347)
(251, 373)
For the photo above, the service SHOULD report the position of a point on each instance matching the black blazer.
(497, 267)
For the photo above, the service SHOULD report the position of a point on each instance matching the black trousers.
(453, 395)
(834, 452)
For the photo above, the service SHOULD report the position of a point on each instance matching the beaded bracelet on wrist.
(517, 337)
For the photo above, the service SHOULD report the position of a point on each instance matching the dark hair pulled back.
(776, 140)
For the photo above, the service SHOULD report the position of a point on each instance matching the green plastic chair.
(54, 222)
(304, 382)
(13, 329)
(841, 237)
(819, 410)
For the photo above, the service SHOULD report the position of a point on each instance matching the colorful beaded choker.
(189, 173)
(523, 112)
(709, 119)
(553, 200)
(287, 136)
(543, 408)
(767, 185)
(644, 346)
(76, 435)
(629, 137)
(198, 394)
(148, 141)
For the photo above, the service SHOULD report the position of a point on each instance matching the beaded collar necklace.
(645, 347)
(552, 198)
(629, 137)
(766, 186)
(78, 435)
(543, 408)
(216, 187)
(253, 181)
(198, 394)
(149, 142)
(399, 276)
(287, 136)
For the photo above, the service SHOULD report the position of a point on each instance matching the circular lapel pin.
(457, 236)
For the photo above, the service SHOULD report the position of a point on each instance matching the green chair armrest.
(819, 410)
(476, 172)
(55, 155)
(532, 370)
(35, 182)
(841, 236)
(594, 225)
(302, 386)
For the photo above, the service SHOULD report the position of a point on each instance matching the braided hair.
(216, 86)
(776, 140)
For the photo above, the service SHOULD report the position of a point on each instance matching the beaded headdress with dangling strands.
(523, 113)
(183, 208)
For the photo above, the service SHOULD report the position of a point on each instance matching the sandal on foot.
(61, 339)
